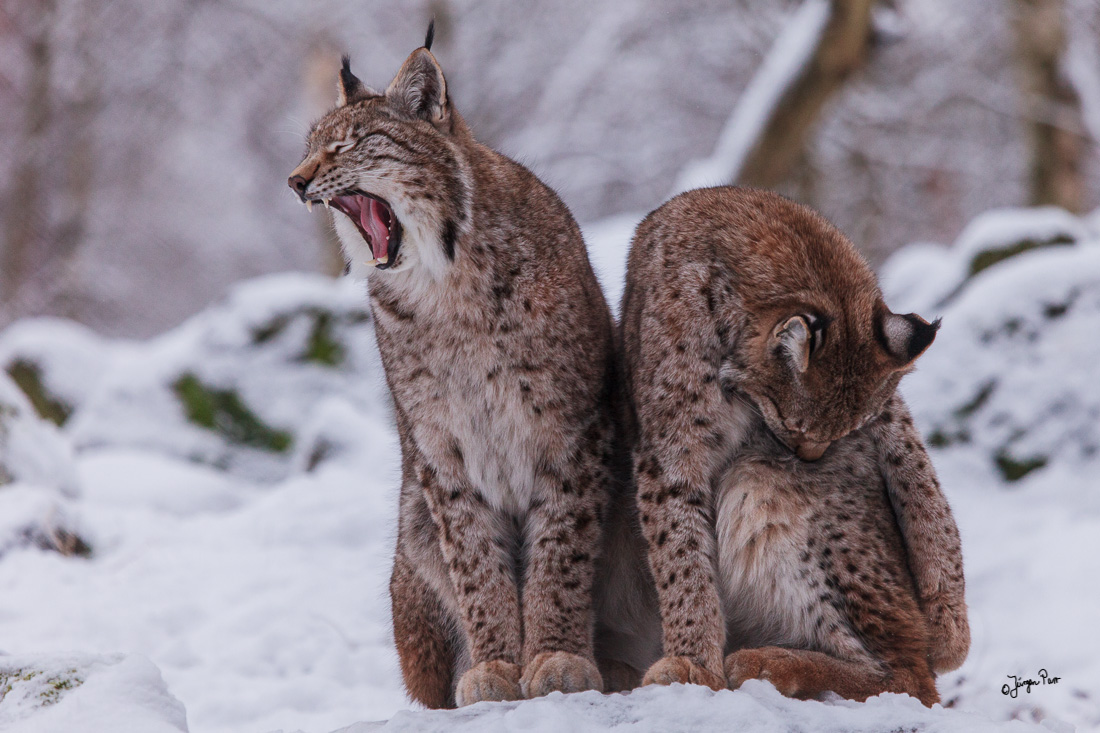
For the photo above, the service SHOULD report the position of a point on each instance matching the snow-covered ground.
(210, 528)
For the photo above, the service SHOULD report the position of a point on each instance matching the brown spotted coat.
(796, 529)
(516, 539)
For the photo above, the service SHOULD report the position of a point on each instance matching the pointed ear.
(905, 337)
(793, 336)
(419, 89)
(349, 88)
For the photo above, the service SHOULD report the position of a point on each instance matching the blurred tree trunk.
(1051, 106)
(841, 50)
(24, 205)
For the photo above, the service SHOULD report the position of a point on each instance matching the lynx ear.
(793, 336)
(419, 89)
(905, 337)
(349, 88)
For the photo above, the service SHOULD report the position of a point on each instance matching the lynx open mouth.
(376, 222)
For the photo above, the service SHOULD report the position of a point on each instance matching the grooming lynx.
(498, 349)
(796, 529)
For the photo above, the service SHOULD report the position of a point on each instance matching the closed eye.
(340, 146)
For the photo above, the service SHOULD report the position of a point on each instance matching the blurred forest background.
(144, 146)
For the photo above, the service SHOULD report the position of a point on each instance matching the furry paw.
(562, 671)
(494, 680)
(950, 637)
(778, 666)
(668, 670)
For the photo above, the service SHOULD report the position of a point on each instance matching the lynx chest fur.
(487, 369)
(791, 534)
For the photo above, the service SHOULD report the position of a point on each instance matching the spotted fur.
(516, 537)
(796, 530)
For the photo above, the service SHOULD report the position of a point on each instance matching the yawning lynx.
(498, 349)
(793, 517)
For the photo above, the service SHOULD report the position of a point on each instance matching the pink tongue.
(370, 217)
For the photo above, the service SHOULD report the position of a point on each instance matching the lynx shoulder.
(795, 525)
(498, 348)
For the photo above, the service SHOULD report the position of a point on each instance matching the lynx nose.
(298, 184)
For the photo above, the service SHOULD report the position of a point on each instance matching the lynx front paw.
(668, 670)
(494, 680)
(778, 666)
(562, 671)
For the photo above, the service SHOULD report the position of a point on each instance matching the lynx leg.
(929, 532)
(685, 431)
(806, 675)
(480, 572)
(559, 619)
(424, 633)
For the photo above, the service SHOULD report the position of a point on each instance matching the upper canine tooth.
(326, 204)
(309, 206)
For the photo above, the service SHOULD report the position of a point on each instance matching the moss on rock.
(28, 377)
(1014, 469)
(989, 257)
(223, 412)
(51, 688)
(322, 346)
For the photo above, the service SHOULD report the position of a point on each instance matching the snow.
(755, 708)
(793, 49)
(255, 580)
(73, 356)
(608, 244)
(924, 276)
(258, 346)
(31, 450)
(80, 692)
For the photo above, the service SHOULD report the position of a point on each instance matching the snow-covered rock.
(65, 693)
(57, 363)
(36, 516)
(1011, 378)
(37, 479)
(924, 277)
(31, 450)
(233, 386)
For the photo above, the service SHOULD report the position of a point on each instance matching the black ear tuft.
(350, 86)
(924, 333)
(430, 36)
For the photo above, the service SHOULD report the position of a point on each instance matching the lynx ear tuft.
(793, 336)
(350, 89)
(430, 36)
(905, 337)
(349, 82)
(419, 89)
